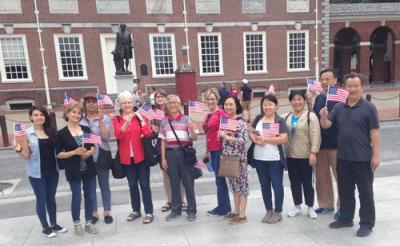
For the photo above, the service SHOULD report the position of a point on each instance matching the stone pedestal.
(124, 82)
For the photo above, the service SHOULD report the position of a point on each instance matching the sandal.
(166, 207)
(132, 216)
(184, 206)
(148, 219)
(230, 215)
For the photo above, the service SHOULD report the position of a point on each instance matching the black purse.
(250, 155)
(105, 159)
(188, 151)
(151, 157)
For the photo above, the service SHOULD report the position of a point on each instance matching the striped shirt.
(180, 126)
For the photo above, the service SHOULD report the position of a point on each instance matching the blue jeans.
(224, 204)
(89, 184)
(271, 172)
(104, 183)
(45, 191)
(139, 174)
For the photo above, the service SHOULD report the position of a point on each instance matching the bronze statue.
(122, 51)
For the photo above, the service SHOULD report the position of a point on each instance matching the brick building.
(263, 41)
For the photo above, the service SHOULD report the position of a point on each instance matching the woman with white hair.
(129, 127)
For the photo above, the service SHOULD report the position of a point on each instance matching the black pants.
(179, 172)
(300, 176)
(349, 174)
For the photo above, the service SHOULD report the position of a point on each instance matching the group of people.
(308, 137)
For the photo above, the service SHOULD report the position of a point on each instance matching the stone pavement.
(209, 231)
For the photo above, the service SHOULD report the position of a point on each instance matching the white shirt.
(152, 99)
(268, 152)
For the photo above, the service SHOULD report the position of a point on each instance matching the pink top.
(211, 127)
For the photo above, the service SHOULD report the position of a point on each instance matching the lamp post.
(44, 67)
(316, 42)
(186, 30)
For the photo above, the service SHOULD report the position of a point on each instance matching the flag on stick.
(68, 100)
(314, 85)
(337, 95)
(196, 107)
(159, 114)
(19, 130)
(228, 124)
(103, 100)
(91, 138)
(270, 129)
(146, 111)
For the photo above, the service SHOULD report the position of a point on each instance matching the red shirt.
(131, 137)
(211, 127)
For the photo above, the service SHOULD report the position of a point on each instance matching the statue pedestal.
(124, 82)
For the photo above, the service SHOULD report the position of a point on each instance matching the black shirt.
(328, 136)
(47, 156)
(223, 94)
(246, 93)
(354, 125)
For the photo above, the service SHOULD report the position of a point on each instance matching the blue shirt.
(328, 136)
(293, 125)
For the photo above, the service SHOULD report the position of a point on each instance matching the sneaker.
(311, 213)
(58, 229)
(191, 217)
(78, 230)
(212, 213)
(340, 224)
(267, 216)
(323, 210)
(294, 212)
(89, 228)
(275, 218)
(108, 219)
(363, 231)
(172, 216)
(48, 233)
(95, 219)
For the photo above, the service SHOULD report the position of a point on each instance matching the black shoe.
(95, 219)
(191, 217)
(48, 233)
(108, 219)
(212, 213)
(340, 224)
(172, 216)
(58, 229)
(363, 231)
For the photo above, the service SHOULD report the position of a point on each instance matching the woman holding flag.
(301, 152)
(268, 133)
(211, 127)
(100, 125)
(42, 168)
(129, 127)
(75, 146)
(233, 132)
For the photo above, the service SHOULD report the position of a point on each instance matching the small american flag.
(146, 111)
(271, 90)
(270, 129)
(228, 124)
(200, 165)
(314, 85)
(91, 138)
(158, 114)
(103, 100)
(19, 130)
(196, 107)
(337, 95)
(68, 100)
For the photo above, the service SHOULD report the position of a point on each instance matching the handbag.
(250, 155)
(105, 158)
(117, 170)
(151, 158)
(189, 152)
(229, 166)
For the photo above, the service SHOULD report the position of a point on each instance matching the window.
(207, 7)
(254, 44)
(159, 6)
(297, 6)
(112, 6)
(14, 60)
(210, 54)
(254, 6)
(10, 7)
(163, 59)
(297, 51)
(63, 7)
(70, 57)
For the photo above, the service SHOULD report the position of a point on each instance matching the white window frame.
(264, 47)
(58, 57)
(297, 11)
(153, 62)
(207, 12)
(307, 50)
(221, 59)
(28, 65)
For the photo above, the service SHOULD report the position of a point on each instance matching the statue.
(122, 51)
